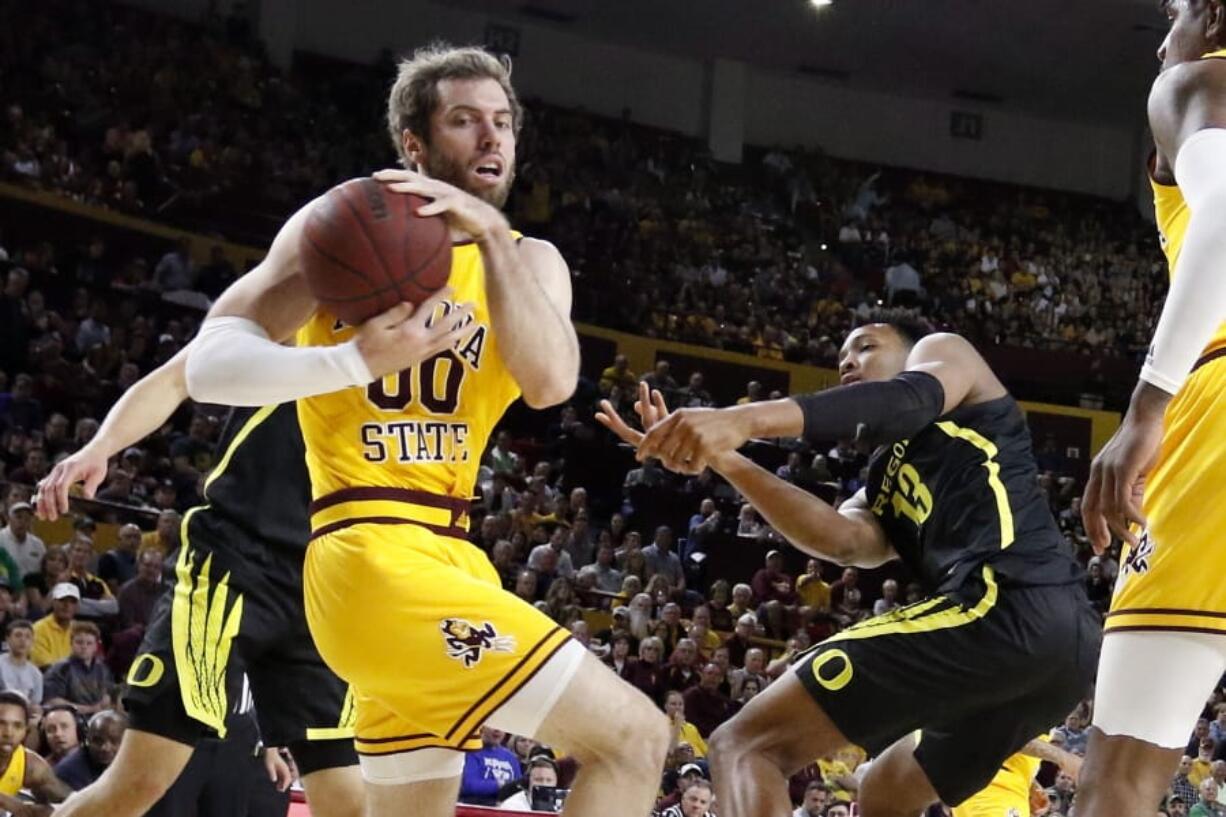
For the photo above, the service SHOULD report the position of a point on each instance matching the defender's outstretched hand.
(650, 408)
(688, 439)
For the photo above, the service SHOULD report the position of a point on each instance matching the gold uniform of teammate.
(400, 604)
(1008, 795)
(13, 779)
(1169, 581)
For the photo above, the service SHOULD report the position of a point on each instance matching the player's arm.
(237, 359)
(142, 410)
(850, 535)
(17, 808)
(528, 284)
(1187, 111)
(1043, 750)
(943, 371)
(42, 782)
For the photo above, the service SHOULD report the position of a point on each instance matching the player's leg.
(144, 769)
(779, 732)
(331, 777)
(1151, 688)
(429, 798)
(615, 732)
(895, 785)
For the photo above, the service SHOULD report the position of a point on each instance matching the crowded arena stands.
(146, 161)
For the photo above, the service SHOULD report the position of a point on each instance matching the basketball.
(364, 250)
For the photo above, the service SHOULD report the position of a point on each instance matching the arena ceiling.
(1090, 60)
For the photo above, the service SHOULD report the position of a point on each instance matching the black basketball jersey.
(964, 492)
(260, 484)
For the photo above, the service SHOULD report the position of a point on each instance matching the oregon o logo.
(840, 679)
(150, 666)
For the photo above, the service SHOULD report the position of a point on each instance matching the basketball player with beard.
(400, 605)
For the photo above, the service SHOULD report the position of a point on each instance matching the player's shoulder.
(1180, 85)
(945, 347)
(537, 249)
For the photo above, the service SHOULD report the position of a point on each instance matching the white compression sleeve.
(233, 362)
(1196, 304)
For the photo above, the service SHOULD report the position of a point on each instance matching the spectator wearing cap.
(165, 537)
(686, 776)
(705, 705)
(53, 633)
(81, 679)
(542, 772)
(17, 672)
(19, 542)
(117, 566)
(488, 769)
(97, 600)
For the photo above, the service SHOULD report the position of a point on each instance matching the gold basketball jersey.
(14, 778)
(1172, 215)
(415, 435)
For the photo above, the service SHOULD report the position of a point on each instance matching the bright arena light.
(817, 4)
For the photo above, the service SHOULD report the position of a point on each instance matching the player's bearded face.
(438, 164)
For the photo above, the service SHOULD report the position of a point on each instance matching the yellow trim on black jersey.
(925, 617)
(985, 445)
(345, 725)
(202, 629)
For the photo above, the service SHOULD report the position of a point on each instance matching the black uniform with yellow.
(1007, 643)
(237, 607)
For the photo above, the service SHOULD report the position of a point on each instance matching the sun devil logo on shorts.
(466, 642)
(1139, 556)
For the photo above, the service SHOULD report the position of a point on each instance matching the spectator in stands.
(542, 772)
(488, 769)
(1098, 588)
(838, 810)
(889, 598)
(662, 560)
(53, 633)
(816, 799)
(175, 271)
(501, 458)
(718, 597)
(696, 802)
(165, 537)
(19, 542)
(502, 556)
(618, 375)
(1182, 785)
(97, 601)
(683, 730)
(705, 705)
(16, 670)
(753, 393)
(649, 675)
(118, 565)
(650, 474)
(86, 763)
(749, 691)
(694, 395)
(1199, 733)
(738, 643)
(608, 578)
(1217, 728)
(1177, 806)
(742, 602)
(1208, 805)
(136, 599)
(526, 584)
(82, 679)
(52, 570)
(560, 560)
(701, 633)
(619, 658)
(754, 669)
(683, 670)
(33, 468)
(661, 379)
(560, 603)
(1202, 765)
(778, 602)
(60, 733)
(12, 603)
(814, 593)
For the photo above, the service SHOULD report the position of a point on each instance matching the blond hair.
(414, 95)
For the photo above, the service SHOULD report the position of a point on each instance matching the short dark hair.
(816, 784)
(14, 698)
(17, 624)
(910, 326)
